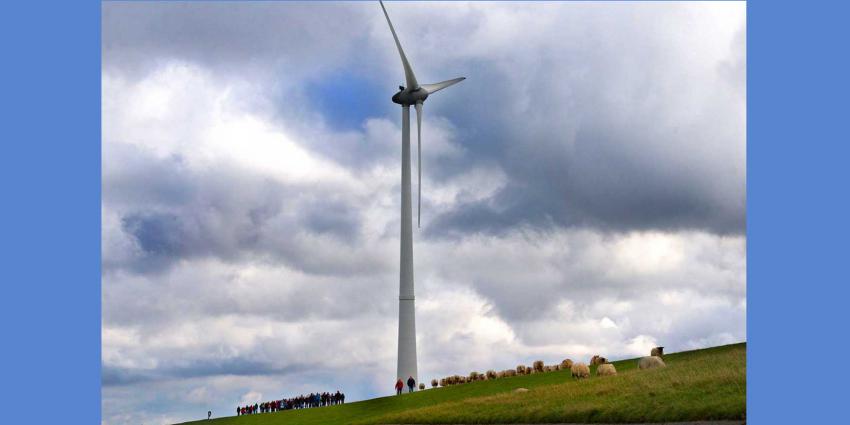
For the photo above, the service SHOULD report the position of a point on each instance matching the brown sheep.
(529, 370)
(657, 352)
(538, 365)
(566, 364)
(510, 372)
(491, 374)
(421, 385)
(650, 362)
(520, 370)
(547, 368)
(473, 376)
(606, 369)
(598, 360)
(442, 382)
(580, 370)
(434, 383)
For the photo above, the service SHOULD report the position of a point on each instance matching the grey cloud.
(234, 37)
(226, 213)
(195, 368)
(590, 133)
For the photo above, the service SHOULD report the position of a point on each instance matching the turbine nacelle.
(407, 97)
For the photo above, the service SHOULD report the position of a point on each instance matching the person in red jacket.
(398, 386)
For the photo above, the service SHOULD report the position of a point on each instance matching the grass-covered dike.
(708, 384)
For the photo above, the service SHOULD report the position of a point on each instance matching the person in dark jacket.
(398, 387)
(411, 383)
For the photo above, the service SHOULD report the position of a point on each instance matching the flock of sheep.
(578, 370)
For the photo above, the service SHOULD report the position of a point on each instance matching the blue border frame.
(50, 174)
(798, 210)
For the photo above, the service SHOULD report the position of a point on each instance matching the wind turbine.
(413, 94)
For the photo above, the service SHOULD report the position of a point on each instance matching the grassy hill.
(706, 384)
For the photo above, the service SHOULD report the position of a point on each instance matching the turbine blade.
(431, 88)
(408, 71)
(419, 156)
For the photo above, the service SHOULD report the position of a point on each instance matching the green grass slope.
(707, 384)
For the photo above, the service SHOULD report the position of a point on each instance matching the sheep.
(421, 385)
(529, 370)
(556, 367)
(566, 364)
(606, 369)
(442, 382)
(650, 362)
(598, 360)
(510, 372)
(580, 370)
(657, 352)
(473, 376)
(434, 383)
(547, 368)
(520, 370)
(500, 374)
(538, 365)
(491, 374)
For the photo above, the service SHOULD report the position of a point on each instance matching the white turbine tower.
(413, 94)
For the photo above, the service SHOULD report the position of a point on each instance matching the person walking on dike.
(398, 387)
(410, 384)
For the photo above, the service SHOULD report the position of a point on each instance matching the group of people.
(300, 402)
(411, 384)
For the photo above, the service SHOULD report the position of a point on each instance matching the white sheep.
(538, 365)
(597, 360)
(650, 362)
(606, 369)
(580, 370)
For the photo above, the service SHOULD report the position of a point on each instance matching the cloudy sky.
(584, 192)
